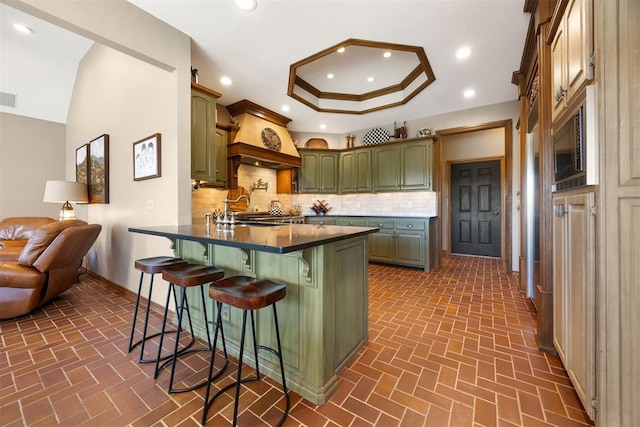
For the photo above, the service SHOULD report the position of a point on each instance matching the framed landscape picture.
(146, 158)
(99, 170)
(82, 164)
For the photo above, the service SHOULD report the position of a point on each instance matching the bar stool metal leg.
(169, 357)
(249, 295)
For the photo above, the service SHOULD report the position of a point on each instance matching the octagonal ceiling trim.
(403, 78)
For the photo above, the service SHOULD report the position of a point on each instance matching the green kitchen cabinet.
(400, 241)
(319, 172)
(403, 166)
(355, 171)
(382, 243)
(208, 144)
(320, 220)
(385, 165)
(416, 165)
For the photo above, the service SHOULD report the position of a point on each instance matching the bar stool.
(247, 294)
(186, 276)
(150, 266)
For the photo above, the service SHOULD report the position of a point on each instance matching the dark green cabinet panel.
(386, 168)
(319, 172)
(417, 169)
(355, 171)
(208, 144)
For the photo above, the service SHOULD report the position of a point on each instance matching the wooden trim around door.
(507, 126)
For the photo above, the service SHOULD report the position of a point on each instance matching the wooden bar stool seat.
(187, 276)
(149, 266)
(247, 294)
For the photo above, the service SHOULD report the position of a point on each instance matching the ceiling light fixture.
(370, 79)
(463, 52)
(247, 5)
(285, 108)
(323, 126)
(225, 81)
(469, 93)
(330, 76)
(23, 29)
(387, 54)
(341, 50)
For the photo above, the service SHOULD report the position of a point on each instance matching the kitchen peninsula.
(324, 315)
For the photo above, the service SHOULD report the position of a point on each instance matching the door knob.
(560, 211)
(496, 213)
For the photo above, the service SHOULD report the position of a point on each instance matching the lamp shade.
(65, 191)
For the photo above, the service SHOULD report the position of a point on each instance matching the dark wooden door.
(476, 208)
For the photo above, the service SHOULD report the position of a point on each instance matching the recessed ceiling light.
(225, 80)
(285, 108)
(386, 54)
(369, 79)
(469, 93)
(247, 5)
(463, 52)
(23, 28)
(341, 50)
(330, 76)
(323, 126)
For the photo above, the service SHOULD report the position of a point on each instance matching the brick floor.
(453, 347)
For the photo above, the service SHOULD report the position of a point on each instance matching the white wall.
(134, 82)
(133, 100)
(32, 151)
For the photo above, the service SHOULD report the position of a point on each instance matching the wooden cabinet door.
(382, 244)
(578, 45)
(574, 291)
(203, 129)
(220, 158)
(416, 165)
(319, 172)
(363, 170)
(347, 172)
(558, 85)
(386, 168)
(310, 173)
(328, 173)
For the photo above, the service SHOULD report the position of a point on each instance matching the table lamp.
(65, 192)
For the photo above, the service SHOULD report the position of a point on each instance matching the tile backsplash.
(412, 204)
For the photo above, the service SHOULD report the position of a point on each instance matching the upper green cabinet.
(208, 144)
(403, 166)
(394, 166)
(386, 168)
(319, 171)
(355, 171)
(416, 166)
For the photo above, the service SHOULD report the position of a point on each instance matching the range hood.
(262, 138)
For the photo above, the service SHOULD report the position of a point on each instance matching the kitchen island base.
(323, 319)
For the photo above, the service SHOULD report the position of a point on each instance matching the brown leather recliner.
(47, 265)
(15, 233)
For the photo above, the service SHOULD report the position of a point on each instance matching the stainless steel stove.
(264, 218)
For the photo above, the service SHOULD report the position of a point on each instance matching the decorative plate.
(271, 140)
(376, 136)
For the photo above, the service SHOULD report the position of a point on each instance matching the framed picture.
(99, 170)
(146, 158)
(82, 164)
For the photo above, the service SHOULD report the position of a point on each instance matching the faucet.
(227, 222)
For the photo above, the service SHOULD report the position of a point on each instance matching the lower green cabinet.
(399, 241)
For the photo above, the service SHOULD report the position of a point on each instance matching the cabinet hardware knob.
(496, 213)
(560, 211)
(409, 225)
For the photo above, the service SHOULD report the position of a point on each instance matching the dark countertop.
(279, 239)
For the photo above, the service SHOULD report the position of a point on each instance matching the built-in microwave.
(575, 146)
